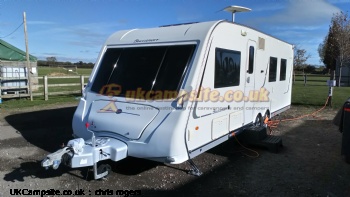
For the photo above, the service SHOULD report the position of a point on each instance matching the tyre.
(258, 120)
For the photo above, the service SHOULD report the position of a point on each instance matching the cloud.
(83, 35)
(40, 23)
(304, 12)
(50, 54)
(300, 22)
(338, 1)
(269, 7)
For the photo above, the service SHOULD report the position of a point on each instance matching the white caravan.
(171, 93)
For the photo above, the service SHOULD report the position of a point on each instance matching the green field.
(314, 93)
(56, 72)
(38, 102)
(42, 71)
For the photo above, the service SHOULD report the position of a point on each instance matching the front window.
(149, 69)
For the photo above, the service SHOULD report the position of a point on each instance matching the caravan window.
(251, 60)
(273, 69)
(283, 71)
(227, 68)
(143, 69)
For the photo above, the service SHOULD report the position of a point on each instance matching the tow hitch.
(55, 159)
(79, 153)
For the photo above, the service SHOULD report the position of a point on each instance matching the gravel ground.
(309, 164)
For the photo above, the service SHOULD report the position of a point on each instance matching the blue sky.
(74, 30)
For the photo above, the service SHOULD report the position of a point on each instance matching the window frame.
(235, 73)
(251, 60)
(182, 78)
(283, 69)
(273, 75)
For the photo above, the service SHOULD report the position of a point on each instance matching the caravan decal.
(205, 95)
(110, 108)
(147, 40)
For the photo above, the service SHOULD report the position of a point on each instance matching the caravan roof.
(169, 33)
(192, 31)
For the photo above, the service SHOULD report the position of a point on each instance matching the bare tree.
(341, 27)
(300, 58)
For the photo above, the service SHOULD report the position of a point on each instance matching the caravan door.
(249, 89)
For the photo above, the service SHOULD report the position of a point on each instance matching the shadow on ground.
(309, 164)
(46, 129)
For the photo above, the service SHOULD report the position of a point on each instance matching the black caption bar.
(80, 192)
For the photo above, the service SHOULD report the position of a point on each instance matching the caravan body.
(170, 93)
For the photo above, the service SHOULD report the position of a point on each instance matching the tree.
(310, 69)
(51, 60)
(300, 59)
(341, 23)
(328, 52)
(335, 49)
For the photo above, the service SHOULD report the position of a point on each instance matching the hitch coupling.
(79, 153)
(56, 158)
(64, 155)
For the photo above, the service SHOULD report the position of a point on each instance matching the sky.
(75, 30)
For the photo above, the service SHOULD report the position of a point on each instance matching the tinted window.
(143, 68)
(283, 71)
(227, 68)
(251, 60)
(273, 69)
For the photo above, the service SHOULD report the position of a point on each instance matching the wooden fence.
(45, 86)
(46, 91)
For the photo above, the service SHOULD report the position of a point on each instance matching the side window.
(227, 68)
(251, 60)
(273, 69)
(283, 71)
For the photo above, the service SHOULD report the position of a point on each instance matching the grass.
(38, 102)
(315, 92)
(56, 71)
(42, 71)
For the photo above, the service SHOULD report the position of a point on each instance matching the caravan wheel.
(267, 114)
(103, 168)
(258, 120)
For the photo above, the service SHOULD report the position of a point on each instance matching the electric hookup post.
(331, 84)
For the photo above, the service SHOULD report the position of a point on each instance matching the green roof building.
(14, 72)
(9, 52)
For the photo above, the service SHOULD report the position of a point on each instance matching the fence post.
(82, 83)
(46, 89)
